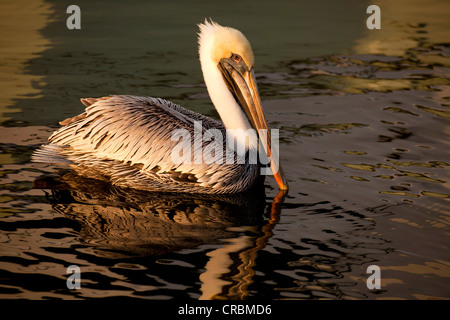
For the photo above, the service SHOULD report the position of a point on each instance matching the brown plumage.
(127, 140)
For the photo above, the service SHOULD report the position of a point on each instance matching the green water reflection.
(150, 47)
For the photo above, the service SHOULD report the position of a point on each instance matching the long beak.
(246, 91)
(260, 124)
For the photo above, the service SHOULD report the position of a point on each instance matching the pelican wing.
(128, 140)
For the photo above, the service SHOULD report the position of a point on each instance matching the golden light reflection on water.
(399, 54)
(20, 22)
(439, 268)
(405, 25)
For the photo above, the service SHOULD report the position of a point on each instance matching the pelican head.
(227, 63)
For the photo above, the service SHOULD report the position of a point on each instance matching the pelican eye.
(237, 58)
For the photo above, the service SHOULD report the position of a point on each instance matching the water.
(364, 125)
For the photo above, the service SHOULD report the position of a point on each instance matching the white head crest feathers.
(217, 42)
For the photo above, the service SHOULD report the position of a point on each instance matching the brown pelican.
(128, 140)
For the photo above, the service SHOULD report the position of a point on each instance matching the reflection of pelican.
(150, 223)
(122, 223)
(128, 140)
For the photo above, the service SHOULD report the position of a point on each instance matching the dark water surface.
(365, 136)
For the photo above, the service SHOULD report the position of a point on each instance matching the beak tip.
(281, 181)
(284, 187)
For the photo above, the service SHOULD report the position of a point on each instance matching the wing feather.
(137, 131)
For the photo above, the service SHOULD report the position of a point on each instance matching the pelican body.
(128, 141)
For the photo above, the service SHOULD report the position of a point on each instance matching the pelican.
(128, 140)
